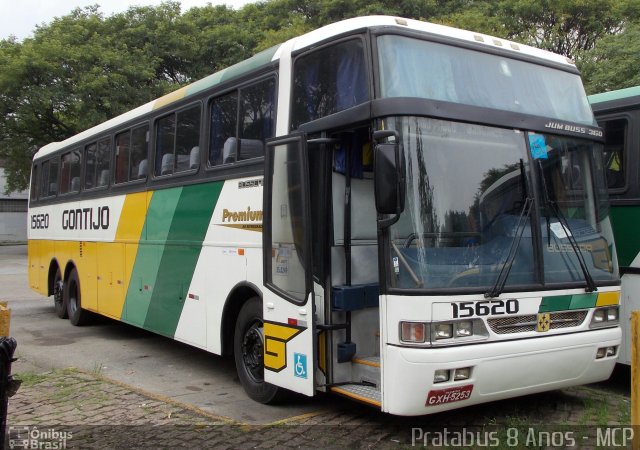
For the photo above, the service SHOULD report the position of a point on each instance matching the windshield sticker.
(538, 146)
(396, 265)
(559, 231)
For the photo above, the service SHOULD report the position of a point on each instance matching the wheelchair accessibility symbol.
(300, 365)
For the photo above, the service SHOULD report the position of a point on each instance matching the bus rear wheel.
(59, 303)
(248, 351)
(73, 299)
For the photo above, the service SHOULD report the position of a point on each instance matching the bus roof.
(309, 39)
(615, 99)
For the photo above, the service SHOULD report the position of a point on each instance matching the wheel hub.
(253, 352)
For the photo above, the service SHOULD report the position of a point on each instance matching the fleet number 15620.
(485, 308)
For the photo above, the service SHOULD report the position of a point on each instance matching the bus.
(618, 113)
(407, 214)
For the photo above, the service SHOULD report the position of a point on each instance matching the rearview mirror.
(389, 180)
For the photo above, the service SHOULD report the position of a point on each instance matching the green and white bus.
(618, 113)
(382, 208)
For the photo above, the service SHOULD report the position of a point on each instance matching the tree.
(567, 27)
(74, 73)
(613, 63)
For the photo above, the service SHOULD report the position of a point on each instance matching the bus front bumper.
(498, 370)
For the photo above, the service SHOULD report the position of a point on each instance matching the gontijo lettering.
(86, 218)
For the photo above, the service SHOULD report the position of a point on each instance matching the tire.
(59, 303)
(73, 298)
(248, 352)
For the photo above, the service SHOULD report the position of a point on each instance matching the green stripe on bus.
(565, 302)
(256, 61)
(188, 228)
(152, 242)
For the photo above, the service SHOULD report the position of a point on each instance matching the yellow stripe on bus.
(170, 98)
(608, 298)
(115, 265)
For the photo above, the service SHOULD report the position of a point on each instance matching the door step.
(367, 394)
(366, 369)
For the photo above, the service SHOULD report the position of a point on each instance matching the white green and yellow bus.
(407, 214)
(618, 113)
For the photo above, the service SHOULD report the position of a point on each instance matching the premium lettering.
(241, 216)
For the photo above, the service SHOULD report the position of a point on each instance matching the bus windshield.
(460, 75)
(467, 190)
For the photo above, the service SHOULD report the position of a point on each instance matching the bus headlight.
(606, 316)
(460, 330)
(443, 331)
(464, 329)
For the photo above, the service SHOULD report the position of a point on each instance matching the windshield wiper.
(498, 287)
(553, 206)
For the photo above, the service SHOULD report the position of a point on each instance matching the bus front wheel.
(248, 351)
(73, 299)
(59, 303)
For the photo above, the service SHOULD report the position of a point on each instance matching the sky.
(20, 17)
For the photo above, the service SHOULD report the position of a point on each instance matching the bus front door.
(288, 302)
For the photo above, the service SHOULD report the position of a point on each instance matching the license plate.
(449, 395)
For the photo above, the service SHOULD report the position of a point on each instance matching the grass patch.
(31, 378)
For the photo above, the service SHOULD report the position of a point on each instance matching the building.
(13, 213)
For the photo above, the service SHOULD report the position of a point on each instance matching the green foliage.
(563, 26)
(613, 63)
(84, 68)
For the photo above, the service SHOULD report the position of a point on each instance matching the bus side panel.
(33, 262)
(624, 220)
(110, 278)
(187, 230)
(45, 255)
(87, 270)
(159, 215)
(115, 265)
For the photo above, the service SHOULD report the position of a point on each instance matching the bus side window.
(222, 145)
(178, 134)
(138, 164)
(187, 138)
(329, 80)
(34, 183)
(614, 152)
(256, 118)
(131, 155)
(70, 172)
(123, 144)
(49, 186)
(103, 163)
(90, 164)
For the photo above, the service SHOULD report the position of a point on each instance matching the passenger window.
(123, 142)
(257, 118)
(138, 166)
(90, 166)
(49, 186)
(103, 163)
(70, 173)
(614, 152)
(224, 115)
(34, 183)
(236, 137)
(329, 80)
(178, 142)
(97, 164)
(131, 154)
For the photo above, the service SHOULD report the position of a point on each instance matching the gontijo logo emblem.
(276, 336)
